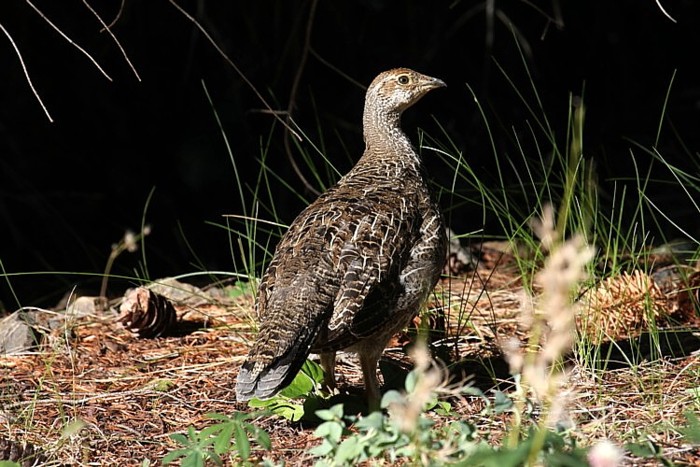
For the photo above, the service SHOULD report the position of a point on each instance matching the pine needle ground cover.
(96, 393)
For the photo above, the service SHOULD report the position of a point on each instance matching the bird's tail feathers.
(264, 374)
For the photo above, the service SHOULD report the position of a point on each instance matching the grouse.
(355, 265)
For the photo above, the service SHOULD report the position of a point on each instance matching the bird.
(356, 265)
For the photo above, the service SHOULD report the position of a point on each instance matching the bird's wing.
(295, 298)
(335, 274)
(369, 258)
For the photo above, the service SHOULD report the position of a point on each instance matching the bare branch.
(658, 3)
(70, 41)
(26, 73)
(109, 31)
(235, 67)
(116, 18)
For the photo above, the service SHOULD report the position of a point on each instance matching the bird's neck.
(384, 137)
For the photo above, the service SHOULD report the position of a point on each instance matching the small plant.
(305, 386)
(556, 450)
(130, 243)
(406, 433)
(650, 449)
(230, 435)
(691, 432)
(550, 320)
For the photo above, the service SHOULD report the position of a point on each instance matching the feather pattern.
(355, 265)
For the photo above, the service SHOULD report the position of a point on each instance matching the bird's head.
(398, 89)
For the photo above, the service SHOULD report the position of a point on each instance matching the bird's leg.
(328, 365)
(368, 362)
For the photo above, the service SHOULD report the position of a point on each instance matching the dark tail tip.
(261, 384)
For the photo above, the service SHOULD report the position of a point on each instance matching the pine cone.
(147, 313)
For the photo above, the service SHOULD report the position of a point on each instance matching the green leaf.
(9, 464)
(300, 386)
(292, 412)
(305, 382)
(375, 421)
(262, 403)
(487, 456)
(391, 397)
(262, 438)
(313, 370)
(280, 405)
(195, 459)
(473, 391)
(197, 451)
(565, 459)
(226, 418)
(238, 289)
(692, 430)
(330, 430)
(180, 439)
(502, 403)
(242, 443)
(463, 429)
(444, 408)
(206, 435)
(172, 455)
(322, 449)
(412, 381)
(222, 442)
(304, 385)
(349, 450)
(73, 427)
(214, 457)
(430, 403)
(647, 448)
(333, 413)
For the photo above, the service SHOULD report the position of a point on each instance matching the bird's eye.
(403, 79)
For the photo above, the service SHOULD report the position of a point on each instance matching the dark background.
(69, 189)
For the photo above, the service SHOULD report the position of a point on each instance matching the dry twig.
(70, 41)
(26, 73)
(109, 31)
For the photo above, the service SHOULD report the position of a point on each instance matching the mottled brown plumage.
(356, 265)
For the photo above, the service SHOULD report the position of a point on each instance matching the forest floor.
(95, 393)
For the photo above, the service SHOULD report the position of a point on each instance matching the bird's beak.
(438, 83)
(433, 83)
